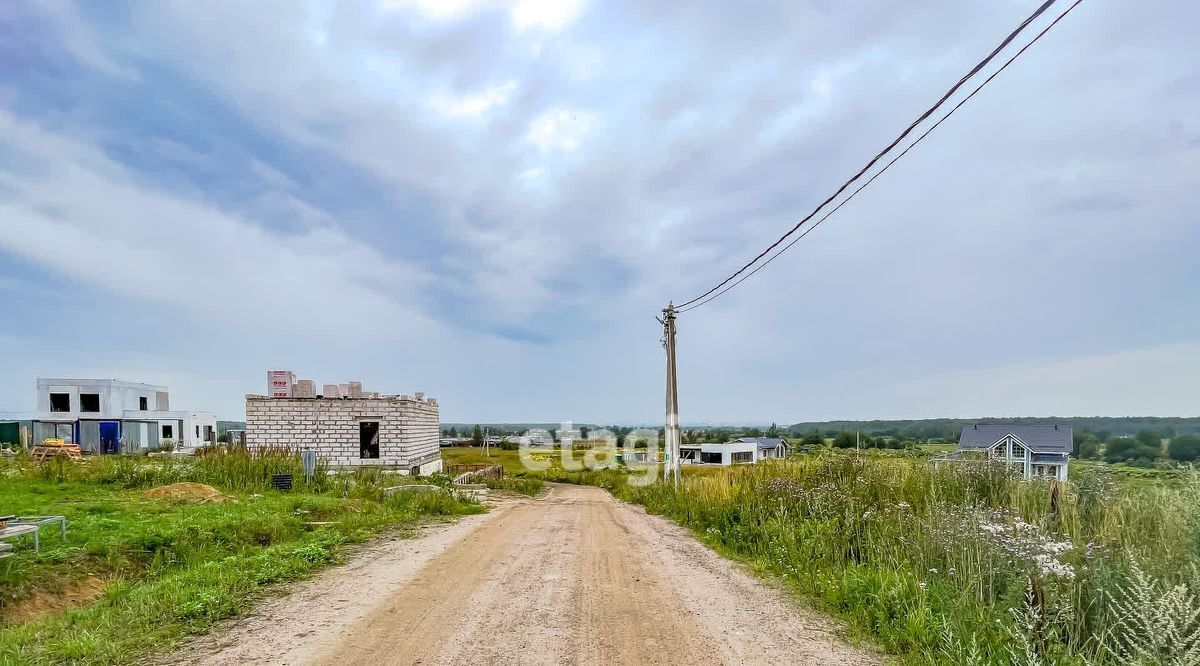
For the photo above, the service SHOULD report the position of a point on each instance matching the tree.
(773, 431)
(752, 432)
(583, 432)
(553, 435)
(813, 440)
(845, 440)
(477, 436)
(1133, 450)
(1084, 439)
(1150, 438)
(1089, 448)
(1185, 448)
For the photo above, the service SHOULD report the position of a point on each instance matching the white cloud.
(474, 107)
(77, 213)
(1160, 380)
(560, 129)
(82, 42)
(545, 14)
(436, 10)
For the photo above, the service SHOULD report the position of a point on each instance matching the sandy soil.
(572, 577)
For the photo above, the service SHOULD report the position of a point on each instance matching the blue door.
(110, 437)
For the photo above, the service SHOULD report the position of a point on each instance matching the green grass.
(173, 568)
(959, 564)
(524, 486)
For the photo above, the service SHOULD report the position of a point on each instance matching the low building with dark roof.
(1041, 451)
(768, 447)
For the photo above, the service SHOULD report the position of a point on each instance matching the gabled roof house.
(768, 447)
(1040, 450)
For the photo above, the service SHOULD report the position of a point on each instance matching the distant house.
(712, 453)
(1041, 451)
(114, 416)
(768, 447)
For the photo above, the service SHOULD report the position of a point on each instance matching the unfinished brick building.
(397, 431)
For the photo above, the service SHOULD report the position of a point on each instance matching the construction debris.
(50, 448)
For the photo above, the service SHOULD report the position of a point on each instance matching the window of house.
(742, 456)
(60, 402)
(368, 439)
(89, 402)
(143, 403)
(208, 433)
(197, 432)
(168, 432)
(710, 457)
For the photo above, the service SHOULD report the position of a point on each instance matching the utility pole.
(671, 432)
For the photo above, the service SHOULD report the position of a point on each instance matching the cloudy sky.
(490, 201)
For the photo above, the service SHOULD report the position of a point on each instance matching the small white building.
(115, 416)
(729, 453)
(768, 447)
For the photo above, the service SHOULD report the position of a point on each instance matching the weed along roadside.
(158, 549)
(957, 564)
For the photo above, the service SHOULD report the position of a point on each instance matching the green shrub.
(1185, 448)
(1132, 450)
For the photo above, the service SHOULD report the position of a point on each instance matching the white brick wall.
(408, 429)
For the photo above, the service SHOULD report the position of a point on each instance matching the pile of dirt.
(187, 492)
(44, 603)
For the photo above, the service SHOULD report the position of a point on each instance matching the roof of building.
(1049, 438)
(89, 381)
(763, 442)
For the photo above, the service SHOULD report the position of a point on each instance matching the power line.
(888, 165)
(928, 112)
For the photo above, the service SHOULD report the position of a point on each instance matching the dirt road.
(571, 577)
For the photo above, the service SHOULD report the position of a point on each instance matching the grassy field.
(144, 573)
(961, 564)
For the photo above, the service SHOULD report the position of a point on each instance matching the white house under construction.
(115, 416)
(346, 425)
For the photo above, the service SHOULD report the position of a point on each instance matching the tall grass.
(957, 563)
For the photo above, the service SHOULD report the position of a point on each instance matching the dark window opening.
(687, 454)
(89, 402)
(368, 439)
(208, 434)
(168, 432)
(143, 403)
(60, 402)
(197, 432)
(709, 457)
(742, 456)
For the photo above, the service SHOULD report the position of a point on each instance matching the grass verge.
(173, 568)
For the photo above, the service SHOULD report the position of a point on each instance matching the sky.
(490, 202)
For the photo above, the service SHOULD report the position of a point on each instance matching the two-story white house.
(1040, 451)
(114, 416)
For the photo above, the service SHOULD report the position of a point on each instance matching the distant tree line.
(949, 429)
(1144, 448)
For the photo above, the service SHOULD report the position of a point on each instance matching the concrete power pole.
(671, 432)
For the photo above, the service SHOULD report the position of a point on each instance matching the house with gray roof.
(767, 447)
(1041, 451)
